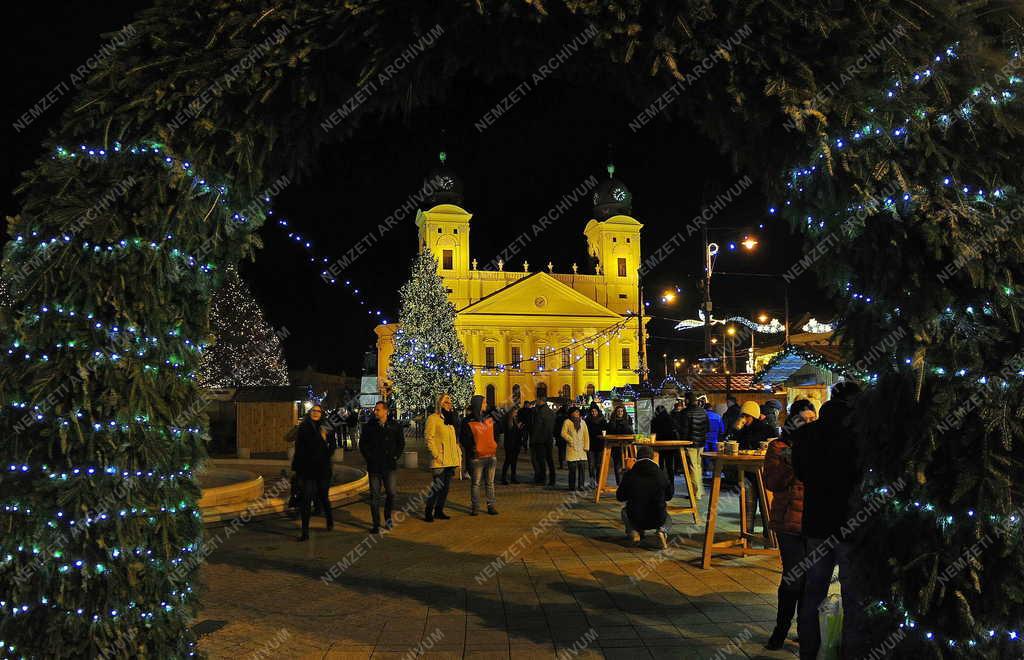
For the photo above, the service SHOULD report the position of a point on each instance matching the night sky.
(513, 172)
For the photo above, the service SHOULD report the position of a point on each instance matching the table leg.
(709, 528)
(742, 476)
(602, 474)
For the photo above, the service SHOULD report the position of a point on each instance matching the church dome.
(612, 197)
(443, 185)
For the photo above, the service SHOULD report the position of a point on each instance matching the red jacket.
(788, 503)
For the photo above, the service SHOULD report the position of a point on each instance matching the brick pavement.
(570, 587)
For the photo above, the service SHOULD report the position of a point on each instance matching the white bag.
(830, 622)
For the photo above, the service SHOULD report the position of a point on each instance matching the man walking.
(381, 443)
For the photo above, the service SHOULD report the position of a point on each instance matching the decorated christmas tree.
(429, 357)
(246, 351)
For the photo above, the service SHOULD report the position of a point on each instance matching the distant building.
(530, 333)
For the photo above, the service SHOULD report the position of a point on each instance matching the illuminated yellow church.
(533, 333)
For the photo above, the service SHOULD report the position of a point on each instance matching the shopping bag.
(830, 621)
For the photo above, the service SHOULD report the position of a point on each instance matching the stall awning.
(793, 357)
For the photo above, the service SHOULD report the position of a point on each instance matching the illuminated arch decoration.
(909, 164)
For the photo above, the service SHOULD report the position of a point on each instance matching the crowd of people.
(809, 468)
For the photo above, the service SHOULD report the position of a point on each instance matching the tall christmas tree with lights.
(429, 358)
(246, 351)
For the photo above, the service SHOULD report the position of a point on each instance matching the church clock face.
(540, 301)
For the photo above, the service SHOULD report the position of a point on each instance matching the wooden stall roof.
(272, 393)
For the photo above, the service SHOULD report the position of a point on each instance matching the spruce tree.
(429, 358)
(246, 350)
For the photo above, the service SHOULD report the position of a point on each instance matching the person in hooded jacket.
(716, 428)
(787, 516)
(596, 427)
(620, 423)
(515, 432)
(480, 450)
(381, 443)
(731, 415)
(312, 465)
(442, 436)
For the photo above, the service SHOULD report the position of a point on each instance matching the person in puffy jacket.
(480, 448)
(716, 428)
(663, 428)
(442, 435)
(787, 517)
(695, 429)
(381, 443)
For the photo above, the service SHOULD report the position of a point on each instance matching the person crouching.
(645, 489)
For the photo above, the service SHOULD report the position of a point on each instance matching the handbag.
(830, 622)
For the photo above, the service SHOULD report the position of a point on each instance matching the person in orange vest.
(480, 450)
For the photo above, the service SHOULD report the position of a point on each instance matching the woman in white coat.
(577, 443)
(442, 433)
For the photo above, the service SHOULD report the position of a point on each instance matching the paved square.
(551, 576)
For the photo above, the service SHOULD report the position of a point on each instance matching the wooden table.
(677, 445)
(742, 463)
(611, 441)
(629, 444)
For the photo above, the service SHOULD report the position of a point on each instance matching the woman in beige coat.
(442, 435)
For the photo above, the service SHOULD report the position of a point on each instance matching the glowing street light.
(762, 318)
(749, 242)
(731, 330)
(668, 296)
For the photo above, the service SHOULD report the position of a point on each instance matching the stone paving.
(550, 577)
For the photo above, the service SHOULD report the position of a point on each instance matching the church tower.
(613, 239)
(443, 228)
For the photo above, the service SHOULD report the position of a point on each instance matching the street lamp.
(748, 242)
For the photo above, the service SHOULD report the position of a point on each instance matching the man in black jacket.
(825, 460)
(645, 489)
(542, 429)
(312, 465)
(381, 443)
(694, 427)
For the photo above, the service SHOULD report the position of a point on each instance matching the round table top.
(670, 443)
(747, 458)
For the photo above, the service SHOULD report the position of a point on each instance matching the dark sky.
(514, 172)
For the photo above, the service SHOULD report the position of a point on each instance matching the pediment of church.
(538, 295)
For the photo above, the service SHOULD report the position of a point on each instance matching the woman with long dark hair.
(515, 430)
(620, 423)
(312, 464)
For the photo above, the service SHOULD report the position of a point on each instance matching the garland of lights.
(542, 356)
(156, 149)
(808, 356)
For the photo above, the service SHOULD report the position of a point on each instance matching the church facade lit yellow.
(530, 332)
